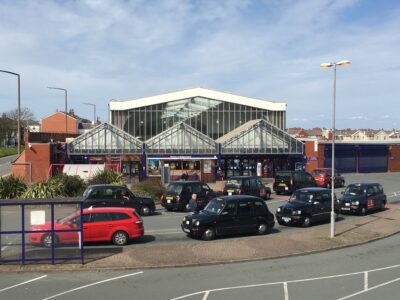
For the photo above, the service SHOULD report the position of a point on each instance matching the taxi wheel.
(120, 238)
(363, 211)
(382, 207)
(208, 234)
(145, 210)
(306, 222)
(262, 229)
(268, 196)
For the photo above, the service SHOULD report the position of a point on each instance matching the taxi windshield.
(302, 196)
(215, 206)
(354, 190)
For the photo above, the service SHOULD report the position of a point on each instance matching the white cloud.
(100, 50)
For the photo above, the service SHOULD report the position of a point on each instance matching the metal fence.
(37, 230)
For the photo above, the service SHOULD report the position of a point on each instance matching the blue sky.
(101, 50)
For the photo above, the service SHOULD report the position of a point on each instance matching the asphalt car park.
(165, 226)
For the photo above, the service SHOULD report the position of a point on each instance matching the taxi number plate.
(168, 201)
(186, 230)
(230, 191)
(345, 208)
(347, 204)
(282, 184)
(286, 219)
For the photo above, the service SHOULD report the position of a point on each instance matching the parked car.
(360, 198)
(307, 206)
(108, 195)
(286, 182)
(99, 224)
(178, 194)
(246, 185)
(226, 215)
(323, 177)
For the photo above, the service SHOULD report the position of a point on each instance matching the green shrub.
(106, 177)
(44, 189)
(149, 189)
(71, 186)
(11, 187)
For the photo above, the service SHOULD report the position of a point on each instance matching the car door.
(326, 205)
(99, 227)
(226, 223)
(254, 187)
(317, 211)
(95, 198)
(245, 217)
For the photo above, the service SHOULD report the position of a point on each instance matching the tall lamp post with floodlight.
(94, 111)
(18, 109)
(330, 65)
(66, 104)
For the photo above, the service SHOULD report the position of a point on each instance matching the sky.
(267, 49)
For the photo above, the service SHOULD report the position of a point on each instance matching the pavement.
(349, 232)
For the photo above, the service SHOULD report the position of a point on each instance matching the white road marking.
(206, 295)
(92, 284)
(286, 291)
(373, 288)
(22, 283)
(293, 281)
(365, 280)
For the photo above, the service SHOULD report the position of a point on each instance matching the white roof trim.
(196, 92)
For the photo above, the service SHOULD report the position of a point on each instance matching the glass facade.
(105, 139)
(213, 118)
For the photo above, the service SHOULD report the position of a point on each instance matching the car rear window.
(234, 182)
(175, 188)
(282, 175)
(318, 173)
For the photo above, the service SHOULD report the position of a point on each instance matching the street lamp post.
(66, 105)
(94, 111)
(330, 65)
(18, 109)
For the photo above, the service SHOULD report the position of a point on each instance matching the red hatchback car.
(323, 177)
(114, 224)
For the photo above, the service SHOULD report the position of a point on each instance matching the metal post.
(94, 111)
(330, 65)
(333, 155)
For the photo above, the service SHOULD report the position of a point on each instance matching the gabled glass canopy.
(105, 139)
(259, 136)
(181, 139)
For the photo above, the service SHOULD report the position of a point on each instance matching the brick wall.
(39, 156)
(312, 156)
(394, 158)
(56, 123)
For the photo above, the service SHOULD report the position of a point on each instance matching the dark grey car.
(109, 195)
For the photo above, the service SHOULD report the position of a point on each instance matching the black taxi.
(307, 206)
(227, 215)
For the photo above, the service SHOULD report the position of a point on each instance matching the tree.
(26, 117)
